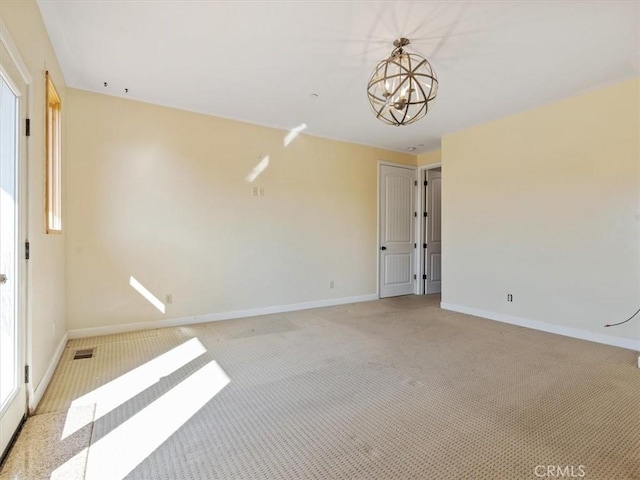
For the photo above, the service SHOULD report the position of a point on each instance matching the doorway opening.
(430, 256)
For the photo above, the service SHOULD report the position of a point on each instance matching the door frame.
(23, 310)
(379, 223)
(420, 290)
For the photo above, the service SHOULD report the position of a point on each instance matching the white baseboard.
(547, 327)
(214, 317)
(36, 395)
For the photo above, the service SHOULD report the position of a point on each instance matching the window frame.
(53, 158)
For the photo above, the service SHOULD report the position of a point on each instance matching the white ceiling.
(260, 61)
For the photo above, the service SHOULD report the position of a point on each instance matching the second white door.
(433, 259)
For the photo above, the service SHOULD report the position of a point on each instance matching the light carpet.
(389, 389)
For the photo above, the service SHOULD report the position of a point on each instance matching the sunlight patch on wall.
(258, 169)
(151, 298)
(291, 136)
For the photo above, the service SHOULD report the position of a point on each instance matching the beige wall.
(429, 158)
(161, 195)
(46, 269)
(545, 205)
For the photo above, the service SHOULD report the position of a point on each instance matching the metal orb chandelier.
(402, 87)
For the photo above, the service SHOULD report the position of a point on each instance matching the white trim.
(421, 237)
(14, 88)
(7, 41)
(215, 317)
(36, 395)
(546, 327)
(417, 222)
(430, 166)
(378, 228)
(393, 164)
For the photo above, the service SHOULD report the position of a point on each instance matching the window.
(53, 167)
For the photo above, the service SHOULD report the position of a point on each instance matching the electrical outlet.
(331, 284)
(261, 192)
(509, 297)
(254, 191)
(168, 299)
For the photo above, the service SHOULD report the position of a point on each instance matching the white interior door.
(433, 263)
(13, 398)
(397, 230)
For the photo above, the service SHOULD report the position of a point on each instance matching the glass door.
(12, 388)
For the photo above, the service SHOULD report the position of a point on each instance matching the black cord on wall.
(620, 323)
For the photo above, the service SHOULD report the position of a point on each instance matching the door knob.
(3, 279)
(383, 248)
